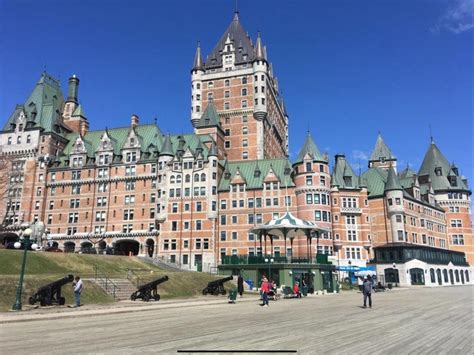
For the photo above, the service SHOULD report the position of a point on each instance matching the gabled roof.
(309, 148)
(381, 151)
(247, 170)
(342, 169)
(210, 117)
(47, 101)
(242, 44)
(435, 160)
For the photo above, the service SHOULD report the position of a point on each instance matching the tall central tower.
(238, 80)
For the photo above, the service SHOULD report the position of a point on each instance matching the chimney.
(73, 89)
(134, 121)
(84, 127)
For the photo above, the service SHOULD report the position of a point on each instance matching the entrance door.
(327, 281)
(198, 262)
(417, 276)
(391, 275)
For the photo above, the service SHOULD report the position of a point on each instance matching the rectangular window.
(317, 215)
(309, 180)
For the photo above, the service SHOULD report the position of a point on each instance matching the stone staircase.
(121, 289)
(161, 263)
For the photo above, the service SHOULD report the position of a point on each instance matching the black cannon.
(217, 286)
(149, 290)
(51, 293)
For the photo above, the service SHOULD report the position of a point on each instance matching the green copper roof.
(437, 167)
(167, 147)
(247, 171)
(209, 118)
(78, 112)
(392, 181)
(213, 150)
(46, 100)
(343, 176)
(309, 148)
(381, 151)
(375, 179)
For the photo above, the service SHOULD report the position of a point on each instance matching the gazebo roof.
(287, 226)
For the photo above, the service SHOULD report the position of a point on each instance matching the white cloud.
(360, 155)
(458, 17)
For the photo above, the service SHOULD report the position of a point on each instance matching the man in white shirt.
(77, 290)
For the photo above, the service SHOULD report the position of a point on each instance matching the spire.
(259, 51)
(167, 147)
(381, 151)
(212, 150)
(197, 65)
(392, 181)
(309, 148)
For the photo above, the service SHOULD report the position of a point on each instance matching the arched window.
(466, 273)
(187, 178)
(432, 275)
(445, 275)
(9, 141)
(196, 177)
(172, 179)
(456, 273)
(18, 140)
(28, 138)
(178, 179)
(203, 177)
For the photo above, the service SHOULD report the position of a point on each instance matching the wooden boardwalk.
(417, 321)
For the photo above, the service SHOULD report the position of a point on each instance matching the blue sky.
(347, 69)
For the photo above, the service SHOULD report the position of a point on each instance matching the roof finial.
(156, 120)
(431, 134)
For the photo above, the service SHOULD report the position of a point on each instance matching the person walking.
(77, 290)
(367, 291)
(240, 285)
(265, 290)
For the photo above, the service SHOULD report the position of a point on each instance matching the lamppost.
(395, 274)
(25, 235)
(269, 261)
(350, 274)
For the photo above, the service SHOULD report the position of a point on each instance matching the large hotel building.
(193, 198)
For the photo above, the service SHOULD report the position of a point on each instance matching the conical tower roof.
(79, 111)
(392, 182)
(381, 151)
(167, 147)
(309, 148)
(198, 62)
(259, 50)
(213, 150)
(210, 117)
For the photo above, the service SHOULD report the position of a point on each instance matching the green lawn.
(42, 268)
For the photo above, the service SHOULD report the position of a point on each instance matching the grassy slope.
(42, 268)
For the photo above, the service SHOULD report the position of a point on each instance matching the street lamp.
(395, 274)
(269, 261)
(27, 232)
(350, 275)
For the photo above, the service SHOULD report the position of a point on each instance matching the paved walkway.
(422, 320)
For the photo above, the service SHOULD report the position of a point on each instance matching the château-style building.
(192, 199)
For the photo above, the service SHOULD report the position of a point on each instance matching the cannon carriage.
(216, 287)
(51, 293)
(149, 290)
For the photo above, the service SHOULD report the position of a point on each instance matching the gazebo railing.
(258, 259)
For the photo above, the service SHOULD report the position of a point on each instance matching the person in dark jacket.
(367, 291)
(240, 285)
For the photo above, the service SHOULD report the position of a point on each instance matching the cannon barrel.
(154, 283)
(57, 283)
(220, 281)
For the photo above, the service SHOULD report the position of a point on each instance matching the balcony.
(351, 210)
(252, 260)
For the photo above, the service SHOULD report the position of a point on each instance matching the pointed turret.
(309, 148)
(393, 183)
(210, 117)
(382, 156)
(213, 150)
(259, 52)
(167, 147)
(198, 63)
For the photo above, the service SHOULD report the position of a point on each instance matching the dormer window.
(132, 141)
(131, 157)
(453, 181)
(20, 127)
(348, 181)
(308, 167)
(77, 162)
(438, 171)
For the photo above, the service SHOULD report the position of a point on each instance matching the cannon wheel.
(157, 297)
(31, 300)
(61, 301)
(133, 297)
(204, 292)
(43, 302)
(215, 292)
(146, 298)
(224, 292)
